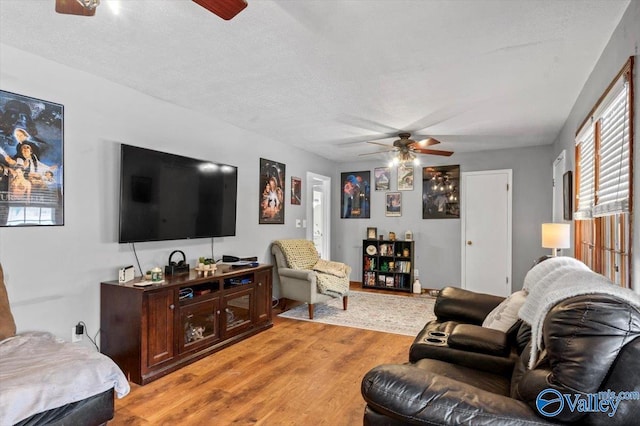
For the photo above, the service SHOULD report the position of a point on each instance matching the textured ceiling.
(327, 75)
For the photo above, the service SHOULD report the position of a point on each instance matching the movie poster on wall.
(31, 161)
(272, 183)
(356, 192)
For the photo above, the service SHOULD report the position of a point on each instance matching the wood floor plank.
(296, 373)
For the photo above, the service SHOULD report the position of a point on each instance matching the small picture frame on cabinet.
(371, 233)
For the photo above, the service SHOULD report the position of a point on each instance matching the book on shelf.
(389, 281)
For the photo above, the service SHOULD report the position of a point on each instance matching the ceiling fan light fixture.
(89, 4)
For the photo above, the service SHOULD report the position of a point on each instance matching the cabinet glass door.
(199, 324)
(237, 314)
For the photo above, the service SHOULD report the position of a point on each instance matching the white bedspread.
(39, 371)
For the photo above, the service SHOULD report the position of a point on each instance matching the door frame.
(463, 231)
(557, 186)
(325, 181)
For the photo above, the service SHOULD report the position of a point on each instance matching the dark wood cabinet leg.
(345, 302)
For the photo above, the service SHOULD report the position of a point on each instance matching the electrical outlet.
(75, 338)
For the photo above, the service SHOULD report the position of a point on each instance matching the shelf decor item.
(31, 161)
(371, 233)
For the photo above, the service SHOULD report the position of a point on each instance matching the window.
(604, 146)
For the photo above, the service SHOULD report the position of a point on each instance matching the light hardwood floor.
(296, 373)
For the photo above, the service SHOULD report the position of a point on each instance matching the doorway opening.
(319, 213)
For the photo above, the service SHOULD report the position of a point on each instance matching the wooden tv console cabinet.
(154, 330)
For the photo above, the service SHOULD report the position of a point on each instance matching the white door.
(318, 213)
(558, 173)
(486, 231)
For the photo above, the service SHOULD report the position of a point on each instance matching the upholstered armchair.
(305, 277)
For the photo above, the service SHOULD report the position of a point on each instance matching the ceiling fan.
(226, 9)
(407, 149)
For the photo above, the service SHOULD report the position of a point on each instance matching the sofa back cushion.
(7, 324)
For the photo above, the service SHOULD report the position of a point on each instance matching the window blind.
(614, 166)
(586, 188)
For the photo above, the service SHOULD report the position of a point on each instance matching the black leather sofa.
(591, 345)
(457, 335)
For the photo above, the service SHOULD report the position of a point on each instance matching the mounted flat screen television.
(169, 197)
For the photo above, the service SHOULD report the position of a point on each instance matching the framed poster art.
(356, 192)
(31, 161)
(405, 178)
(441, 192)
(394, 204)
(272, 183)
(296, 191)
(382, 177)
(567, 195)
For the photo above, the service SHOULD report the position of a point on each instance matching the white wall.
(437, 241)
(53, 273)
(624, 43)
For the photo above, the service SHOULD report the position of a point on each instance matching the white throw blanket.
(39, 371)
(549, 269)
(574, 281)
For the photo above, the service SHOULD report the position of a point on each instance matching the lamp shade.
(556, 235)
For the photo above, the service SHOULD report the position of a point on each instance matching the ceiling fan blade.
(377, 152)
(226, 9)
(72, 7)
(433, 152)
(424, 142)
(381, 144)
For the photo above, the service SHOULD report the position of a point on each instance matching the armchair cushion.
(337, 269)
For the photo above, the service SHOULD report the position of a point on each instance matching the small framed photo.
(296, 191)
(394, 204)
(371, 233)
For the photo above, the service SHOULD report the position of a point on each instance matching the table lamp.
(556, 236)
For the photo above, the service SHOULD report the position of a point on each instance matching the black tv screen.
(170, 197)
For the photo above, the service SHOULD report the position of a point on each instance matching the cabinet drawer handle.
(172, 306)
(260, 284)
(218, 312)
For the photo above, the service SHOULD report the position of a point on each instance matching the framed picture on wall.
(296, 191)
(31, 161)
(382, 176)
(355, 200)
(394, 204)
(272, 183)
(405, 178)
(567, 195)
(441, 192)
(372, 233)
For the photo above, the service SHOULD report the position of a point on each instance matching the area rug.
(371, 311)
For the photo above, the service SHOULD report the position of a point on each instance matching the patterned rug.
(372, 311)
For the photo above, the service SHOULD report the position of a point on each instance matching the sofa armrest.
(298, 274)
(456, 304)
(474, 338)
(412, 395)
